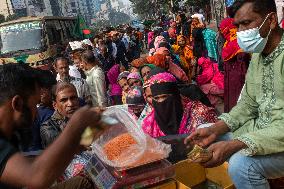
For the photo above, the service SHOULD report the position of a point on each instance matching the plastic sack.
(144, 151)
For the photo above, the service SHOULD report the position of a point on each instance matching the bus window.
(63, 28)
(54, 35)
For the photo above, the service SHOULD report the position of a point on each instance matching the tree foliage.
(117, 18)
(151, 8)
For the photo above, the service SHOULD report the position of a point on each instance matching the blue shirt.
(44, 113)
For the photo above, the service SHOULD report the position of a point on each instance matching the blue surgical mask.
(250, 40)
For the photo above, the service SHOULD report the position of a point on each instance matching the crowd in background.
(172, 78)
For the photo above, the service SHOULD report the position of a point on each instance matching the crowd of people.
(173, 79)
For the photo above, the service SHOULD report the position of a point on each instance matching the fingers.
(210, 164)
(216, 159)
(206, 141)
(202, 137)
(192, 136)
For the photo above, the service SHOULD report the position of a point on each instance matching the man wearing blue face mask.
(256, 152)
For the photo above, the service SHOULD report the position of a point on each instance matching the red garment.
(210, 73)
(158, 60)
(177, 72)
(235, 74)
(229, 31)
(236, 64)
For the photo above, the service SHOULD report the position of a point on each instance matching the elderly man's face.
(246, 18)
(67, 102)
(62, 68)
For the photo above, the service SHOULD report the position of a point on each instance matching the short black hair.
(60, 87)
(46, 78)
(262, 7)
(17, 79)
(89, 57)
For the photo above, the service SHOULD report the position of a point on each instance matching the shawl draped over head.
(135, 96)
(211, 43)
(137, 63)
(158, 60)
(134, 75)
(173, 68)
(185, 53)
(170, 116)
(151, 36)
(112, 75)
(199, 17)
(158, 40)
(210, 73)
(167, 114)
(196, 25)
(123, 75)
(229, 31)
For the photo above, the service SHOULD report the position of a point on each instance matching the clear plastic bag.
(136, 154)
(126, 125)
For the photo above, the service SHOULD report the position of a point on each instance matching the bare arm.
(45, 169)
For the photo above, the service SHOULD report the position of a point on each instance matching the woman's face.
(100, 42)
(181, 41)
(166, 53)
(195, 21)
(161, 98)
(134, 69)
(77, 62)
(134, 83)
(122, 69)
(148, 95)
(145, 72)
(124, 85)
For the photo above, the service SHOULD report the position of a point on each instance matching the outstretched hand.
(87, 117)
(201, 137)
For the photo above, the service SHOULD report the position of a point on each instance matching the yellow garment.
(186, 56)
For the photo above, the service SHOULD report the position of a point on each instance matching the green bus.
(34, 40)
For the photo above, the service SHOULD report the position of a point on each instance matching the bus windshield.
(21, 37)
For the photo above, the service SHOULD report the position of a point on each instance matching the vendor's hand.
(86, 116)
(202, 137)
(222, 151)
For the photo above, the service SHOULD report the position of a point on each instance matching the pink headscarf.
(195, 113)
(150, 37)
(134, 75)
(112, 75)
(160, 78)
(158, 40)
(210, 73)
